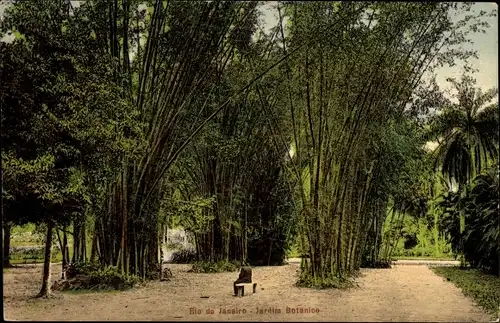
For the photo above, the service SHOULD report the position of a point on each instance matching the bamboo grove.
(169, 78)
(352, 95)
(250, 138)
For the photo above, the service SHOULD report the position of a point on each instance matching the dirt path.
(403, 293)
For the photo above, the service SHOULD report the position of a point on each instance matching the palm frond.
(443, 125)
(482, 99)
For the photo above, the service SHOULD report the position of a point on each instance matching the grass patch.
(483, 288)
(27, 237)
(35, 254)
(422, 258)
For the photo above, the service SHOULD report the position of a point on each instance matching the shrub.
(215, 267)
(382, 263)
(481, 247)
(76, 269)
(109, 276)
(158, 272)
(341, 282)
(480, 237)
(92, 276)
(184, 256)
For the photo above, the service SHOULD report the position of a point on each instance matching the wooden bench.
(240, 288)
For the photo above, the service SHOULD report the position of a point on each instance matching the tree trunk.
(164, 234)
(65, 245)
(6, 244)
(123, 242)
(45, 290)
(245, 240)
(270, 251)
(76, 241)
(93, 251)
(63, 252)
(84, 243)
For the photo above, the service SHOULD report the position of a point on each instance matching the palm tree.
(466, 132)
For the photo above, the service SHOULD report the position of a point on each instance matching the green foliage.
(479, 239)
(483, 288)
(342, 282)
(19, 253)
(25, 235)
(482, 230)
(173, 246)
(384, 263)
(27, 242)
(449, 221)
(414, 237)
(294, 251)
(215, 267)
(92, 276)
(239, 148)
(274, 232)
(111, 277)
(466, 130)
(184, 256)
(193, 214)
(74, 116)
(78, 268)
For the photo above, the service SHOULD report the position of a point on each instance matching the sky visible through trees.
(486, 45)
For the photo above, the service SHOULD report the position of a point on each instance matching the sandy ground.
(403, 293)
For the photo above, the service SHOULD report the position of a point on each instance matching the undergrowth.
(96, 277)
(377, 264)
(183, 256)
(215, 267)
(340, 282)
